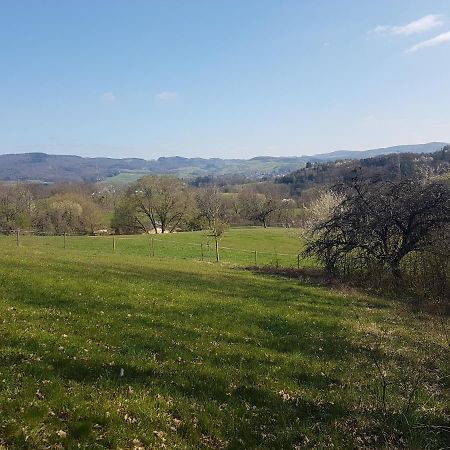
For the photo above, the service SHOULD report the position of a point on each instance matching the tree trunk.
(395, 269)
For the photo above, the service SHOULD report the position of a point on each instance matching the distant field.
(211, 356)
(125, 177)
(273, 246)
(243, 167)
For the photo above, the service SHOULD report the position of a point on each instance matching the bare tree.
(16, 207)
(382, 222)
(163, 200)
(212, 206)
(256, 206)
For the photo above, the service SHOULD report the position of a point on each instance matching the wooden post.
(153, 247)
(256, 257)
(17, 237)
(298, 261)
(217, 251)
(64, 241)
(114, 243)
(201, 249)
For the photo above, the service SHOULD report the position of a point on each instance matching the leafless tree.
(16, 207)
(213, 206)
(163, 200)
(256, 206)
(382, 222)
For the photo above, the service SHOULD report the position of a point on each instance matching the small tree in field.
(212, 206)
(381, 222)
(217, 228)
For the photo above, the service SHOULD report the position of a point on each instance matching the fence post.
(256, 257)
(153, 247)
(201, 249)
(217, 251)
(298, 261)
(114, 243)
(17, 237)
(64, 241)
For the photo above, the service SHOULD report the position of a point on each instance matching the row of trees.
(159, 204)
(162, 204)
(23, 207)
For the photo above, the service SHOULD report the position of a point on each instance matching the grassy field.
(102, 350)
(125, 177)
(274, 246)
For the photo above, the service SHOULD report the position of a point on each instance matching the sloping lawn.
(117, 351)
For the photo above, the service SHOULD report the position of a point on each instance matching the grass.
(125, 177)
(210, 356)
(275, 246)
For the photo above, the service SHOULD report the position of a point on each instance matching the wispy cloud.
(167, 96)
(438, 40)
(107, 97)
(421, 25)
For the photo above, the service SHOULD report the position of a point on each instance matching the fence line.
(205, 249)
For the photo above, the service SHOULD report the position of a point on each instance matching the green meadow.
(102, 350)
(273, 246)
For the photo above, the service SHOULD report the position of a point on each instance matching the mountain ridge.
(43, 167)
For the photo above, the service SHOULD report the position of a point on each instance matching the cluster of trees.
(158, 204)
(55, 209)
(163, 204)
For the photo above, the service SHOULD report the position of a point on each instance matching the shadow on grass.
(207, 336)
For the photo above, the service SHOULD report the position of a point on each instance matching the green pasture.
(125, 351)
(273, 246)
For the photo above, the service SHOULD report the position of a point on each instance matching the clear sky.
(228, 78)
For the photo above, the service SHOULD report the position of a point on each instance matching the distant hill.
(349, 154)
(51, 168)
(381, 167)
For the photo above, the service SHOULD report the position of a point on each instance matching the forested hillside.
(387, 167)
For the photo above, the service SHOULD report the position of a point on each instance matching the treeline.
(162, 204)
(153, 204)
(58, 209)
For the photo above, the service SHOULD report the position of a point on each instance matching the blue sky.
(222, 78)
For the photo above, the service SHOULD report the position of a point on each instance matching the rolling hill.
(52, 168)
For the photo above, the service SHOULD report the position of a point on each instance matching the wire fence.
(160, 246)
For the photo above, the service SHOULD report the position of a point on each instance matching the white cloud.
(167, 96)
(108, 97)
(422, 25)
(438, 40)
